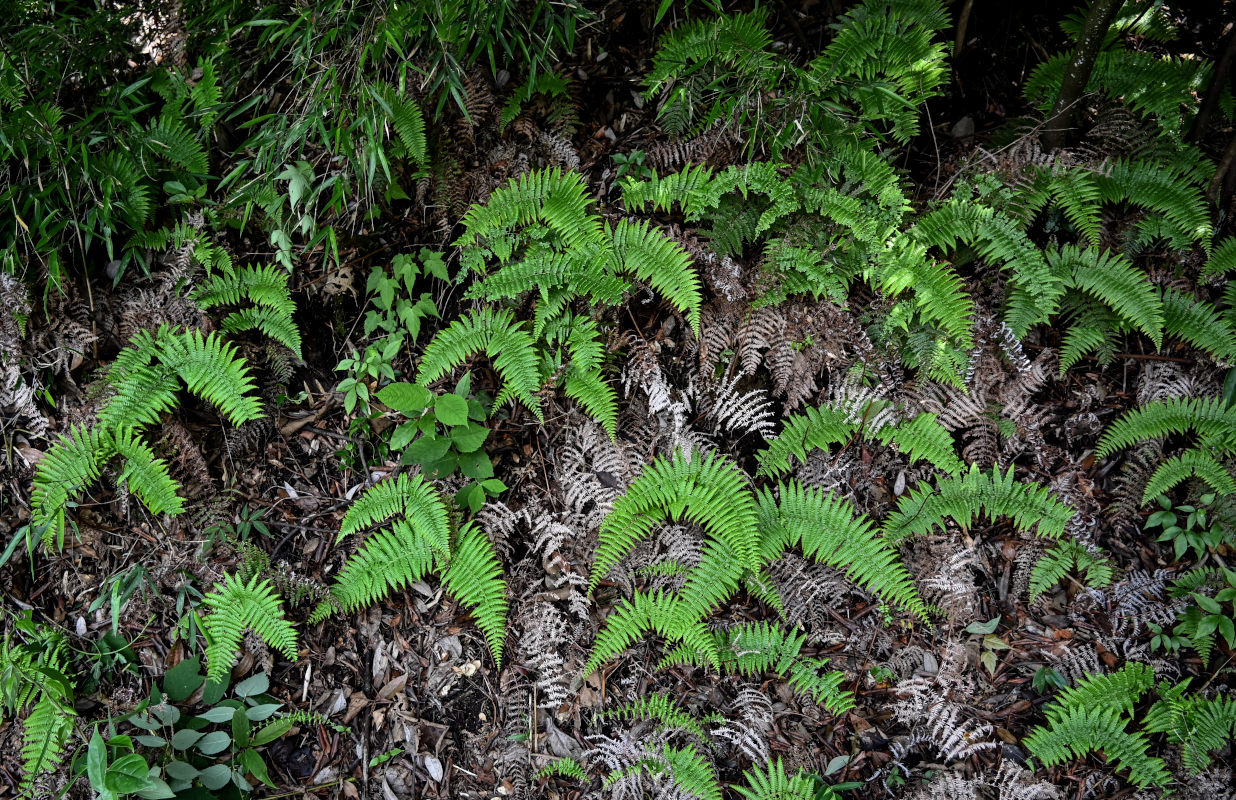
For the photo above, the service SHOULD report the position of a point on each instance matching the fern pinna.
(536, 237)
(146, 377)
(266, 288)
(418, 536)
(743, 535)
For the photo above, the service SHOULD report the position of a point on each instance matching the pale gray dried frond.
(735, 412)
(858, 401)
(643, 371)
(1010, 782)
(17, 388)
(748, 734)
(1163, 380)
(1076, 662)
(1138, 599)
(793, 373)
(558, 150)
(624, 755)
(830, 472)
(541, 648)
(951, 585)
(808, 588)
(1216, 783)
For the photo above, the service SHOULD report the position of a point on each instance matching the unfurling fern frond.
(1199, 725)
(416, 538)
(974, 494)
(829, 531)
(236, 607)
(1094, 716)
(506, 343)
(474, 577)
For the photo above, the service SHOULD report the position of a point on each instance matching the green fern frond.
(261, 285)
(1112, 278)
(1062, 557)
(923, 438)
(1222, 258)
(1088, 334)
(554, 198)
(406, 118)
(702, 489)
(70, 465)
(145, 387)
(474, 577)
(1200, 725)
(772, 783)
(236, 607)
(663, 192)
(1209, 417)
(562, 767)
(1160, 187)
(46, 732)
(656, 612)
(170, 140)
(813, 429)
(147, 476)
(1189, 464)
(1093, 716)
(1200, 324)
(972, 495)
(1078, 731)
(507, 344)
(213, 371)
(829, 531)
(666, 712)
(939, 296)
(273, 324)
(1077, 192)
(651, 256)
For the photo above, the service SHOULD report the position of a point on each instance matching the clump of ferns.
(537, 245)
(147, 377)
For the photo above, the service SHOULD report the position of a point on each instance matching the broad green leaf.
(451, 409)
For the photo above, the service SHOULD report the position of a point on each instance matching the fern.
(1060, 559)
(1095, 716)
(147, 476)
(1189, 464)
(667, 714)
(828, 531)
(706, 490)
(923, 438)
(211, 370)
(1114, 280)
(70, 465)
(496, 333)
(417, 537)
(33, 681)
(1209, 417)
(1200, 324)
(813, 429)
(236, 607)
(563, 767)
(967, 497)
(772, 783)
(1199, 725)
(267, 289)
(475, 577)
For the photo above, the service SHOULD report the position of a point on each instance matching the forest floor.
(412, 678)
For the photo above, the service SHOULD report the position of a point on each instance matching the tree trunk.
(1077, 73)
(1218, 81)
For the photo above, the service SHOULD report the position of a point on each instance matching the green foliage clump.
(418, 536)
(146, 377)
